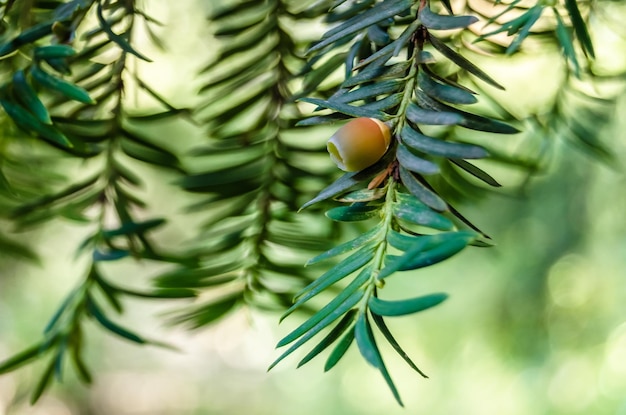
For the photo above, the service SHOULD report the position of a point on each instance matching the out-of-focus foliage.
(254, 168)
(84, 116)
(85, 131)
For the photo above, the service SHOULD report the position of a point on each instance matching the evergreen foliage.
(67, 66)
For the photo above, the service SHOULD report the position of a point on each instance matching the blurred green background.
(535, 325)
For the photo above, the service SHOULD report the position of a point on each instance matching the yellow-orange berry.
(359, 144)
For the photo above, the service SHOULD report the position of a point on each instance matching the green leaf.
(354, 54)
(346, 267)
(363, 195)
(419, 250)
(110, 255)
(381, 56)
(215, 274)
(444, 92)
(580, 27)
(132, 228)
(28, 97)
(476, 172)
(436, 147)
(94, 311)
(111, 294)
(345, 182)
(584, 134)
(12, 249)
(229, 182)
(347, 246)
(462, 62)
(26, 121)
(377, 35)
(425, 57)
(353, 213)
(54, 51)
(344, 307)
(367, 92)
(386, 103)
(405, 242)
(225, 10)
(354, 285)
(61, 86)
(404, 307)
(339, 305)
(377, 73)
(420, 191)
(450, 244)
(533, 15)
(405, 37)
(471, 121)
(114, 37)
(76, 341)
(340, 349)
(511, 27)
(61, 310)
(340, 328)
(322, 119)
(466, 221)
(419, 115)
(493, 18)
(61, 65)
(240, 20)
(382, 11)
(441, 22)
(70, 9)
(369, 351)
(48, 200)
(362, 111)
(207, 313)
(246, 40)
(89, 130)
(414, 163)
(80, 366)
(23, 357)
(44, 382)
(353, 9)
(392, 49)
(127, 174)
(316, 76)
(162, 293)
(59, 358)
(29, 35)
(380, 323)
(420, 214)
(150, 154)
(443, 79)
(566, 42)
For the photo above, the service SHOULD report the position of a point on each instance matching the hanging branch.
(94, 125)
(252, 245)
(408, 95)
